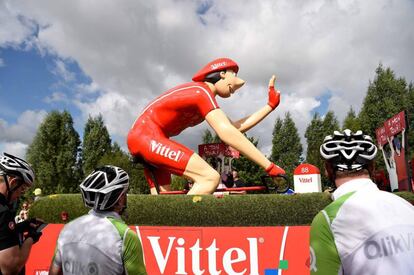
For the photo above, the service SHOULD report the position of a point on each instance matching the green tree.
(386, 97)
(351, 121)
(208, 137)
(410, 113)
(117, 157)
(314, 137)
(277, 138)
(315, 133)
(249, 171)
(286, 146)
(96, 142)
(330, 124)
(178, 183)
(54, 154)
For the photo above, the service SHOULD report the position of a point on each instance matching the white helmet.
(14, 166)
(348, 151)
(104, 187)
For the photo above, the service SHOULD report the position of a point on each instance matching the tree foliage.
(54, 154)
(286, 146)
(351, 121)
(249, 171)
(410, 112)
(96, 143)
(208, 137)
(386, 96)
(314, 137)
(316, 132)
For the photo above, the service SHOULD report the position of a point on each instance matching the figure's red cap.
(220, 64)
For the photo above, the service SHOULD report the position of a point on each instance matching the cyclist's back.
(364, 230)
(95, 243)
(100, 242)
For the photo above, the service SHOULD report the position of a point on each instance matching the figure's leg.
(168, 156)
(158, 177)
(204, 176)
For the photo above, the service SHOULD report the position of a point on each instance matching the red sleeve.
(206, 101)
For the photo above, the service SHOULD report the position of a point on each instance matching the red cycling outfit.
(168, 115)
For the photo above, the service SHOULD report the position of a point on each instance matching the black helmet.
(348, 151)
(104, 187)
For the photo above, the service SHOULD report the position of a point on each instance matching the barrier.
(228, 189)
(281, 250)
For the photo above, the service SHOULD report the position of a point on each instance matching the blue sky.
(30, 80)
(112, 58)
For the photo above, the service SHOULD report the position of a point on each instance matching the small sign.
(307, 178)
(381, 135)
(216, 150)
(395, 124)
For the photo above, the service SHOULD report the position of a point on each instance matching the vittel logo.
(389, 246)
(183, 252)
(165, 151)
(218, 65)
(41, 272)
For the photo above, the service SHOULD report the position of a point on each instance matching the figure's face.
(228, 84)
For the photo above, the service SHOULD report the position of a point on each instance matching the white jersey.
(99, 243)
(364, 231)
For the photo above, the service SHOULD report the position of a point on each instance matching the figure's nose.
(238, 82)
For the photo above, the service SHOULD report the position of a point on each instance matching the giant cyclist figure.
(188, 105)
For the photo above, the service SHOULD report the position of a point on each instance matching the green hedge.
(182, 210)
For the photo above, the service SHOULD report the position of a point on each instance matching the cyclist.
(100, 242)
(16, 176)
(364, 230)
(188, 105)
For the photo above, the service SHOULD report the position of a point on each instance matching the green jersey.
(363, 231)
(99, 243)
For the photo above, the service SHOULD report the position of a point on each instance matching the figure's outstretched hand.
(273, 170)
(274, 96)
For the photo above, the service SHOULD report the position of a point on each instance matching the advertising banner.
(395, 154)
(395, 124)
(381, 136)
(217, 149)
(205, 250)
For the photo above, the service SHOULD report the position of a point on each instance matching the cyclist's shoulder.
(76, 225)
(119, 225)
(331, 211)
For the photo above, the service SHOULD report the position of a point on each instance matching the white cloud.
(135, 50)
(56, 97)
(24, 129)
(116, 110)
(17, 149)
(61, 71)
(14, 30)
(88, 88)
(339, 107)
